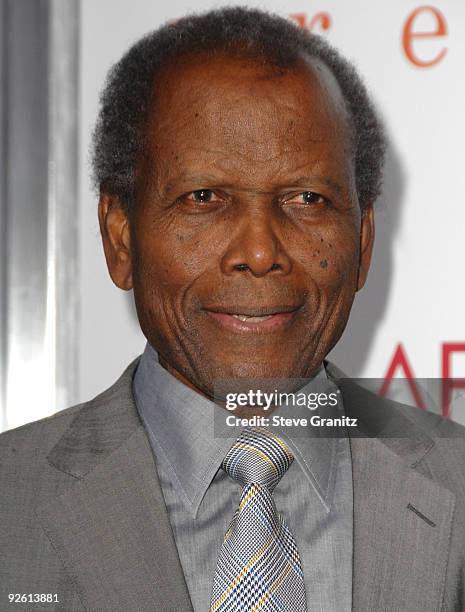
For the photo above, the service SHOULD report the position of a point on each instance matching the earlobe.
(114, 228)
(367, 237)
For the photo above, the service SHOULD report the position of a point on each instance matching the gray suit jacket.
(83, 516)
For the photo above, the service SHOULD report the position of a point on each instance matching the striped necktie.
(259, 565)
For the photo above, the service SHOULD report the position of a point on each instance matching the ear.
(114, 228)
(367, 237)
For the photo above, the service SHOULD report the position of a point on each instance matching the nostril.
(244, 267)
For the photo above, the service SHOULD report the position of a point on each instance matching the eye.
(306, 197)
(202, 196)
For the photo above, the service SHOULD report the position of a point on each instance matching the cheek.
(169, 263)
(157, 296)
(330, 258)
(164, 272)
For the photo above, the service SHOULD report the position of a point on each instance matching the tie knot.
(258, 456)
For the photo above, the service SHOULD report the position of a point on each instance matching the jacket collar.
(110, 527)
(106, 421)
(402, 518)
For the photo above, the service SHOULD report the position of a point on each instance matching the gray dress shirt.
(315, 496)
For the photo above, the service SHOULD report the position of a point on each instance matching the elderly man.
(237, 159)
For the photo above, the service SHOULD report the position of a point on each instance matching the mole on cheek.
(324, 263)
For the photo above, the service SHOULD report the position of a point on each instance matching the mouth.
(256, 319)
(253, 318)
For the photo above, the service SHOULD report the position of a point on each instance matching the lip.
(253, 311)
(280, 317)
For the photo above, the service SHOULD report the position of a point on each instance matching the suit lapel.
(402, 526)
(111, 527)
(402, 518)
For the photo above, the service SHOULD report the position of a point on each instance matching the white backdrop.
(415, 294)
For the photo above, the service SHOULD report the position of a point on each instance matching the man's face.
(246, 206)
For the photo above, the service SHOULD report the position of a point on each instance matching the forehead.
(247, 108)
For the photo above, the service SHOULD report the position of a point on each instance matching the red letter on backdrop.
(448, 383)
(400, 360)
(300, 18)
(324, 19)
(408, 36)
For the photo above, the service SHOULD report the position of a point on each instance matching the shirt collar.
(184, 433)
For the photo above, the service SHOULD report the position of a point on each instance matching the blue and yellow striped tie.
(259, 565)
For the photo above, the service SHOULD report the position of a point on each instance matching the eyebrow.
(326, 180)
(200, 179)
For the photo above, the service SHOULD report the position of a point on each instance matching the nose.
(256, 247)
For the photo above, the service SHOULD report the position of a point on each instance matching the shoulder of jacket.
(38, 437)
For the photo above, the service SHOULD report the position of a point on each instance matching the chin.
(243, 373)
(237, 385)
